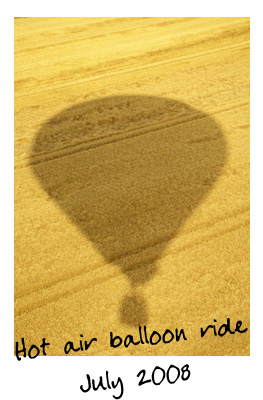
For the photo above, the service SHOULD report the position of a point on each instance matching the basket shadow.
(129, 171)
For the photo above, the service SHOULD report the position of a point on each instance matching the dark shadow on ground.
(126, 181)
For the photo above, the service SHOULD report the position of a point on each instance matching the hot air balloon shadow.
(129, 171)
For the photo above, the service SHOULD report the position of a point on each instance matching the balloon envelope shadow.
(129, 170)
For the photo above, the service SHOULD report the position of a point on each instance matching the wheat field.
(132, 182)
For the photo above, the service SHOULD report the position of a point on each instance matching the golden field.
(132, 182)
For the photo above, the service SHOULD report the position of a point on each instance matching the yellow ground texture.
(132, 184)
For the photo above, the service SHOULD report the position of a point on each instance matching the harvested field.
(132, 182)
